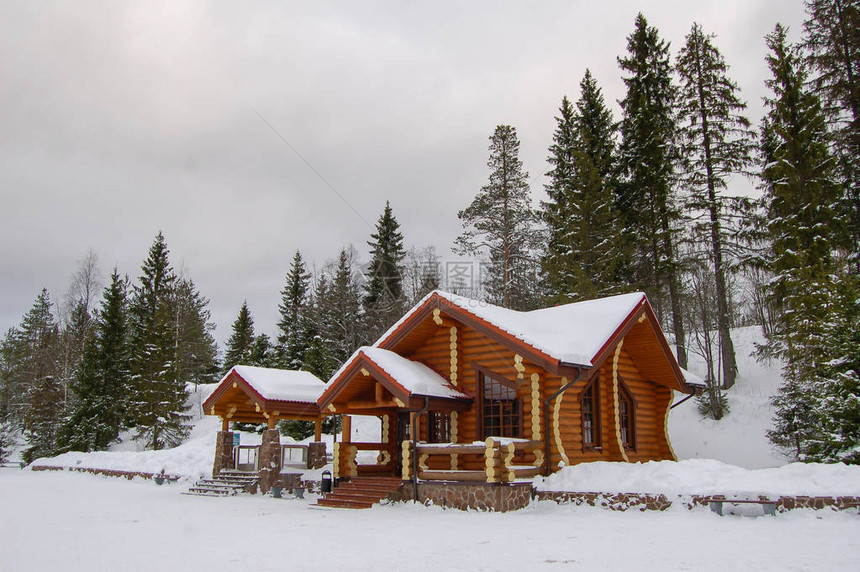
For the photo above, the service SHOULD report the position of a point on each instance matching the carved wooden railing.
(503, 460)
(346, 459)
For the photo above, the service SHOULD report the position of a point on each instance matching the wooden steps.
(227, 483)
(360, 492)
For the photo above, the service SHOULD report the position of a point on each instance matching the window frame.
(596, 441)
(438, 427)
(480, 374)
(625, 394)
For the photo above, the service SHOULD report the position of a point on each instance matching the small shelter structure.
(265, 395)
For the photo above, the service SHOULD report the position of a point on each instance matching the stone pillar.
(270, 459)
(316, 455)
(223, 452)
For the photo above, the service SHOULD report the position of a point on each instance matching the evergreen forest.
(636, 200)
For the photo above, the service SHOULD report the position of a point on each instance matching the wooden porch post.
(347, 429)
(225, 424)
(318, 429)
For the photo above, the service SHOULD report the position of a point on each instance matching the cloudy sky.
(120, 119)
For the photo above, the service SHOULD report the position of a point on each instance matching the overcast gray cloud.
(119, 119)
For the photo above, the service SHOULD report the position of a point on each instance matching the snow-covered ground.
(75, 522)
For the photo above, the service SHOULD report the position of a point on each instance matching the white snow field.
(76, 522)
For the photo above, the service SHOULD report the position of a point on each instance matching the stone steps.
(225, 484)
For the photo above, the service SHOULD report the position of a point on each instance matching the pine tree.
(102, 382)
(263, 352)
(647, 159)
(582, 257)
(384, 301)
(43, 419)
(342, 318)
(832, 41)
(31, 353)
(292, 327)
(501, 225)
(836, 384)
(240, 346)
(802, 199)
(716, 143)
(157, 404)
(195, 349)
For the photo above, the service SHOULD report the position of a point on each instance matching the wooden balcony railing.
(502, 460)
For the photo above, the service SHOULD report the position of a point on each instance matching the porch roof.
(406, 381)
(413, 376)
(249, 393)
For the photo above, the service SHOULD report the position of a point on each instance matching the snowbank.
(193, 459)
(701, 476)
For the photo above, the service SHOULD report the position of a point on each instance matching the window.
(626, 409)
(590, 408)
(440, 427)
(500, 408)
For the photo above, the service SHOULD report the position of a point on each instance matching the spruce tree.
(294, 306)
(240, 346)
(342, 310)
(195, 349)
(716, 143)
(582, 257)
(802, 197)
(832, 42)
(43, 419)
(102, 382)
(501, 225)
(263, 352)
(384, 301)
(647, 160)
(157, 404)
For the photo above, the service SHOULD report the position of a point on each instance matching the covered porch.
(265, 396)
(418, 410)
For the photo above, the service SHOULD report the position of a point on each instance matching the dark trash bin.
(325, 485)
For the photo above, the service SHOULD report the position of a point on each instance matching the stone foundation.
(316, 455)
(619, 501)
(644, 501)
(223, 452)
(495, 497)
(270, 459)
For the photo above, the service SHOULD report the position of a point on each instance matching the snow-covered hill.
(740, 437)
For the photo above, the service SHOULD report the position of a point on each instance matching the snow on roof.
(572, 333)
(281, 384)
(415, 377)
(692, 379)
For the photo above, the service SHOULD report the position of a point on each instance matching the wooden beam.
(347, 429)
(225, 424)
(368, 404)
(318, 429)
(272, 419)
(478, 476)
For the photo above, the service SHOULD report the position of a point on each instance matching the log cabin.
(470, 392)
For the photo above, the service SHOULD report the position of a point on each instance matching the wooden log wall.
(473, 347)
(454, 350)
